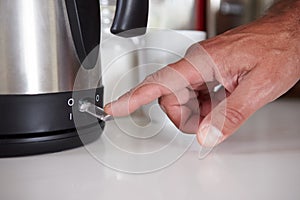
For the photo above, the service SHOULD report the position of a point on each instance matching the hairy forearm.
(286, 15)
(286, 11)
(285, 6)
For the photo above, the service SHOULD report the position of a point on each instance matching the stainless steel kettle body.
(44, 44)
(37, 50)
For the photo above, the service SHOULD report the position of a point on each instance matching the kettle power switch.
(88, 107)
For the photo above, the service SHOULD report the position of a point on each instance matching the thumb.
(231, 113)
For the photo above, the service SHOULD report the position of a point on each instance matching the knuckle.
(193, 49)
(233, 117)
(136, 93)
(152, 78)
(148, 79)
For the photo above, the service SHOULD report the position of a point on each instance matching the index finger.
(163, 82)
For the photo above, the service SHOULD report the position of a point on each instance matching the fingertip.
(107, 109)
(209, 136)
(117, 108)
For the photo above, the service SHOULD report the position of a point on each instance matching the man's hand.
(255, 63)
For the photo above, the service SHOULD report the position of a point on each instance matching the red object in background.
(200, 18)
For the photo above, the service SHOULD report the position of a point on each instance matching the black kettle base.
(44, 123)
(26, 145)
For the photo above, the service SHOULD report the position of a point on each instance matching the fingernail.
(210, 136)
(107, 108)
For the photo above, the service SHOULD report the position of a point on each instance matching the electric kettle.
(43, 45)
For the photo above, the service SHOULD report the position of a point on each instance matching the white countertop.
(261, 161)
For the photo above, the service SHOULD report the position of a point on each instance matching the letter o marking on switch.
(71, 102)
(97, 98)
